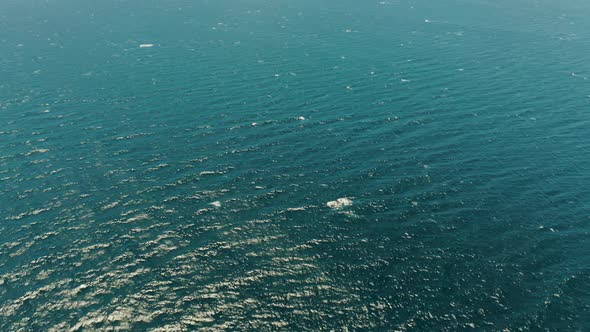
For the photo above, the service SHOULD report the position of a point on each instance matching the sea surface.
(294, 165)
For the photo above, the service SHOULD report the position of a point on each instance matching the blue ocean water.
(321, 165)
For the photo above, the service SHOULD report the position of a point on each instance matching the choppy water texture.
(294, 165)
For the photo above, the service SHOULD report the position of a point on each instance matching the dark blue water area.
(294, 165)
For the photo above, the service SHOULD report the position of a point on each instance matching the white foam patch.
(339, 203)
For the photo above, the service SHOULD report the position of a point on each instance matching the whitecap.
(339, 203)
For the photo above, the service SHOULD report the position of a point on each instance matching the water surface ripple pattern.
(265, 165)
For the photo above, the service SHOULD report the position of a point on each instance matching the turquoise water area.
(320, 165)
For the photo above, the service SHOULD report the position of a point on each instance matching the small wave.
(37, 151)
